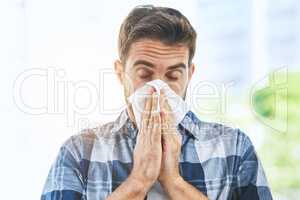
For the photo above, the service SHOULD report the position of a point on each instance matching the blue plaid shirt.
(217, 160)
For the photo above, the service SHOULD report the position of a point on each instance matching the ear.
(119, 69)
(191, 71)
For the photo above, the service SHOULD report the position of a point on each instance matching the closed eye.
(174, 75)
(144, 73)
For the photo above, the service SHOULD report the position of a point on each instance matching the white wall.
(65, 46)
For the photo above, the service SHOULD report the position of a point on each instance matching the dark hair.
(158, 23)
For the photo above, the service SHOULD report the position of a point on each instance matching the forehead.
(157, 52)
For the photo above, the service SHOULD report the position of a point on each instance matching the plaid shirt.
(217, 160)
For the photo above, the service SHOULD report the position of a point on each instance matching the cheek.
(132, 84)
(178, 86)
(138, 84)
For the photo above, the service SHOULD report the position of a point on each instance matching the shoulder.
(213, 130)
(233, 141)
(82, 144)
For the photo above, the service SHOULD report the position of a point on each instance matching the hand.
(147, 154)
(171, 145)
(156, 156)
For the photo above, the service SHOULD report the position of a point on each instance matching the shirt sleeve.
(251, 179)
(65, 180)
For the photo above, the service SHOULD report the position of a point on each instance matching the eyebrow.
(151, 65)
(143, 62)
(178, 65)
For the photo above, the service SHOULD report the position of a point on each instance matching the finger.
(164, 124)
(161, 102)
(146, 113)
(153, 112)
(167, 116)
(154, 103)
(156, 120)
(171, 142)
(164, 111)
(166, 104)
(152, 107)
(156, 129)
(167, 107)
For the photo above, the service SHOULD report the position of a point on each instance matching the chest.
(212, 177)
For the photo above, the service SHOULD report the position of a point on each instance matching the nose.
(161, 77)
(157, 76)
(173, 85)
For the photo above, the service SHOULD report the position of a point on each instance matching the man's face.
(148, 60)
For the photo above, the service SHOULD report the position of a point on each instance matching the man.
(194, 160)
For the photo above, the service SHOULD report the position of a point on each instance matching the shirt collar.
(124, 125)
(190, 125)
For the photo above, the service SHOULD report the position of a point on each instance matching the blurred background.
(57, 78)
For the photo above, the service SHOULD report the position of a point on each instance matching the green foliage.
(281, 152)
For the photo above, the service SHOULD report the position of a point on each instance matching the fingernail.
(152, 90)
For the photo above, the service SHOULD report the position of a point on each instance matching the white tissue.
(177, 104)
